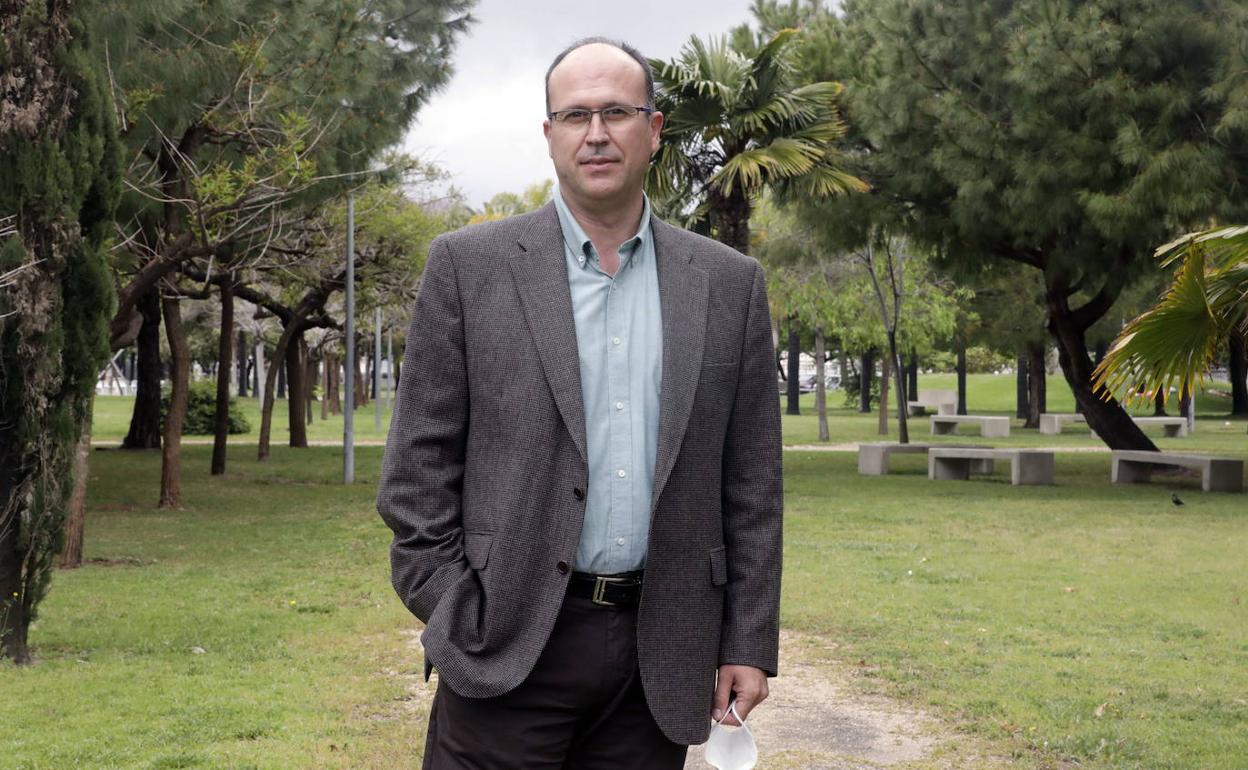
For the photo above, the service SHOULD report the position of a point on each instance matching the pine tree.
(1067, 137)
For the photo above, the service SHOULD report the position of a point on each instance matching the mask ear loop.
(732, 709)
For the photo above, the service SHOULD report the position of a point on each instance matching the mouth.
(598, 162)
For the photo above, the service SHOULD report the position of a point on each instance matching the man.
(583, 473)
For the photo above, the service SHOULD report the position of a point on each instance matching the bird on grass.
(1175, 499)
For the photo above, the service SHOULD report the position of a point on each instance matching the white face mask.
(731, 748)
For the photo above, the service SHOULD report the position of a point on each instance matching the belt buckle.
(600, 587)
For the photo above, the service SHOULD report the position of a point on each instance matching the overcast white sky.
(485, 127)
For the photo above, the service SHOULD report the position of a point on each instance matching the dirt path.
(816, 718)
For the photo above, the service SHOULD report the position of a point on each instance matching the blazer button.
(578, 493)
(562, 567)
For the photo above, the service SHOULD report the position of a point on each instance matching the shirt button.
(615, 340)
(621, 473)
(619, 405)
(578, 493)
(562, 567)
(619, 541)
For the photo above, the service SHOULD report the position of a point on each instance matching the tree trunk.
(1187, 409)
(225, 358)
(14, 610)
(266, 410)
(1021, 408)
(361, 395)
(179, 376)
(145, 419)
(729, 216)
(903, 426)
(912, 376)
(794, 375)
(326, 388)
(333, 382)
(885, 372)
(242, 364)
(257, 368)
(311, 369)
(281, 377)
(71, 551)
(297, 401)
(1237, 370)
(865, 375)
(821, 396)
(961, 378)
(1035, 385)
(1104, 414)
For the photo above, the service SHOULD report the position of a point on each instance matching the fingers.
(723, 688)
(750, 687)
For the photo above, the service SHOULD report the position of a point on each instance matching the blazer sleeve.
(421, 488)
(753, 503)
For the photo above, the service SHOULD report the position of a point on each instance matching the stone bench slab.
(1051, 423)
(989, 427)
(873, 458)
(1217, 474)
(1029, 467)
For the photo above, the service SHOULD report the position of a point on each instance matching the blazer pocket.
(477, 548)
(715, 372)
(719, 566)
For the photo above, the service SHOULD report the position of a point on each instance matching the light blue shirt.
(619, 340)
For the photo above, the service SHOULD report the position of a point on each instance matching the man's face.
(600, 166)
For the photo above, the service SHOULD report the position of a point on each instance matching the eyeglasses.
(580, 116)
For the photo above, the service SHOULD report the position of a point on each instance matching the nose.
(597, 131)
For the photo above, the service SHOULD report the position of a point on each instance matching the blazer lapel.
(683, 302)
(541, 275)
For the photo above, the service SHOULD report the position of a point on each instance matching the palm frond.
(828, 179)
(782, 159)
(1172, 344)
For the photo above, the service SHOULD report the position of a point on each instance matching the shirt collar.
(582, 248)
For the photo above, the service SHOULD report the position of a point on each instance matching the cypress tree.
(59, 182)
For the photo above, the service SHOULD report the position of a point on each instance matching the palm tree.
(736, 123)
(1175, 343)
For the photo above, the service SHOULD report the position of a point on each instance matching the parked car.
(830, 382)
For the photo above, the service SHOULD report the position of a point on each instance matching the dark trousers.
(582, 707)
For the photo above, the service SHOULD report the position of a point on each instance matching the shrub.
(979, 360)
(201, 409)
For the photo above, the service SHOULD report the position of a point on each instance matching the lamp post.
(348, 398)
(377, 370)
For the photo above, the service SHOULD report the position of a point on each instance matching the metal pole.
(390, 387)
(377, 370)
(348, 400)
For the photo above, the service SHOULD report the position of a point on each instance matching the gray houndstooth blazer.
(484, 476)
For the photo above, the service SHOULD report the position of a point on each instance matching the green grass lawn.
(986, 394)
(1076, 625)
(112, 421)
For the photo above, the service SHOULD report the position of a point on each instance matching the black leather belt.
(621, 590)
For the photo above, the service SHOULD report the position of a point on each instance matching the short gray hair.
(621, 45)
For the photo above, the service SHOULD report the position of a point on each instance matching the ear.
(546, 133)
(656, 130)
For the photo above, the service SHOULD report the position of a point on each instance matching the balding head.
(602, 51)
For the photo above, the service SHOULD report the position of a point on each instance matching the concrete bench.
(1027, 466)
(943, 401)
(1172, 426)
(873, 459)
(989, 427)
(1217, 474)
(1051, 424)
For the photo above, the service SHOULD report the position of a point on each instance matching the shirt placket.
(619, 520)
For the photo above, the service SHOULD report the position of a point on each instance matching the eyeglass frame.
(551, 116)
